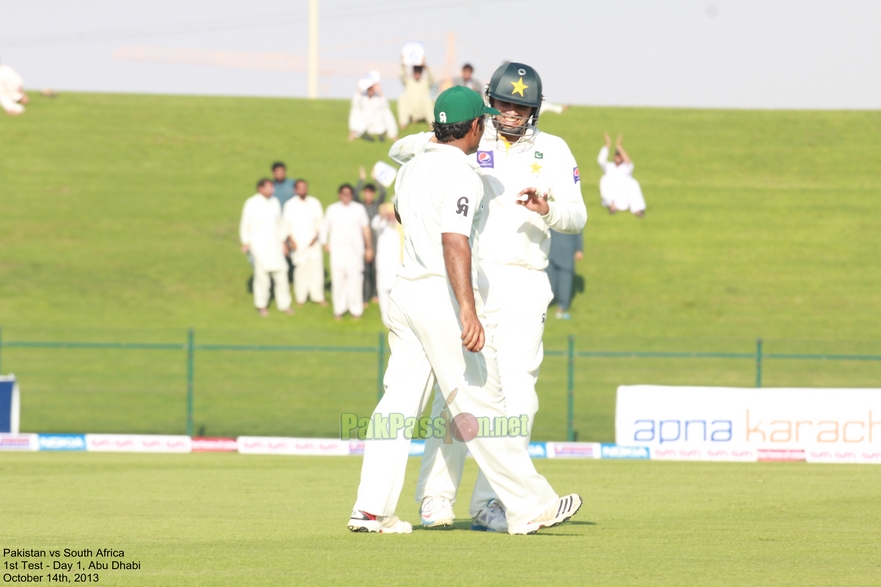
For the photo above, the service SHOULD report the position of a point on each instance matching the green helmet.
(517, 83)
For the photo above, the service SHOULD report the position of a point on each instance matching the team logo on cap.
(485, 159)
(575, 175)
(443, 117)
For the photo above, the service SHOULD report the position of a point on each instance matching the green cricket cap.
(458, 104)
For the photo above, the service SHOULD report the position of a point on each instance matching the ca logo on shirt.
(462, 206)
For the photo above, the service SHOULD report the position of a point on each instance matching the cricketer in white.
(263, 235)
(433, 313)
(514, 246)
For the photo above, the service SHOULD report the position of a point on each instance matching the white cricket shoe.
(565, 508)
(364, 522)
(491, 518)
(437, 512)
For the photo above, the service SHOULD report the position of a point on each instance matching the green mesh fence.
(230, 383)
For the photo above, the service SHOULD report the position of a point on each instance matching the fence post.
(191, 350)
(759, 362)
(381, 366)
(570, 390)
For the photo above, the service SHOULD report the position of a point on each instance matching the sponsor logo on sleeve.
(485, 159)
(576, 176)
(65, 442)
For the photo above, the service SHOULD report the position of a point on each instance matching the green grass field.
(119, 217)
(244, 520)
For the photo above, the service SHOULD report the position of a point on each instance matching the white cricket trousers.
(347, 290)
(426, 347)
(309, 276)
(260, 286)
(516, 305)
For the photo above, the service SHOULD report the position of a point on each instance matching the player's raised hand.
(473, 336)
(608, 140)
(362, 175)
(620, 140)
(532, 199)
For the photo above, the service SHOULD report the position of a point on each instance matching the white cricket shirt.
(510, 234)
(438, 191)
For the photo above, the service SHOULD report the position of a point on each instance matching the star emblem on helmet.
(519, 86)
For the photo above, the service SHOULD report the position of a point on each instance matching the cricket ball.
(464, 427)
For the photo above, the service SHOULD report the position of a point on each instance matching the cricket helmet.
(520, 84)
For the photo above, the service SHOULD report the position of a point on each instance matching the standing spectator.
(565, 250)
(468, 80)
(346, 236)
(370, 113)
(415, 103)
(389, 254)
(618, 189)
(263, 236)
(303, 217)
(284, 191)
(366, 194)
(12, 96)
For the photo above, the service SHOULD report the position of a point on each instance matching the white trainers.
(565, 508)
(491, 518)
(364, 522)
(437, 512)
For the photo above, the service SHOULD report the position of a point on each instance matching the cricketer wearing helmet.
(532, 185)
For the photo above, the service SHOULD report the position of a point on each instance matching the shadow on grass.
(465, 524)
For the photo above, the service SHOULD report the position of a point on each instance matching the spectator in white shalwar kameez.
(263, 236)
(619, 191)
(370, 114)
(389, 254)
(303, 217)
(415, 103)
(12, 96)
(346, 236)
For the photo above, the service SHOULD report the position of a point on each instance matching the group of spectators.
(371, 118)
(285, 232)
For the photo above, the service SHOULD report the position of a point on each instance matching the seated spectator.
(366, 195)
(467, 79)
(303, 217)
(389, 254)
(346, 236)
(263, 237)
(619, 190)
(415, 103)
(12, 96)
(370, 115)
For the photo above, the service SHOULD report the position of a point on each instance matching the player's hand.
(246, 248)
(368, 255)
(362, 175)
(473, 336)
(619, 140)
(534, 200)
(579, 255)
(285, 249)
(608, 140)
(327, 249)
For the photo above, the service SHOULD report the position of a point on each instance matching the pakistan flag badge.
(539, 155)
